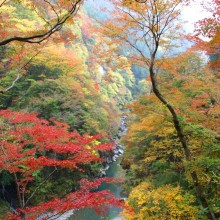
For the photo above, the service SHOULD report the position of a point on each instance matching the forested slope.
(62, 80)
(67, 75)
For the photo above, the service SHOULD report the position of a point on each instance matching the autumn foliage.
(165, 202)
(78, 70)
(209, 28)
(154, 155)
(30, 144)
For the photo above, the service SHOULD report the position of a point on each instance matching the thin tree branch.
(53, 9)
(141, 1)
(18, 74)
(38, 38)
(2, 3)
(33, 193)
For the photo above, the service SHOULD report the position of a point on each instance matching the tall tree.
(153, 150)
(151, 28)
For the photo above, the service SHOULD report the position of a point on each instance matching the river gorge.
(111, 168)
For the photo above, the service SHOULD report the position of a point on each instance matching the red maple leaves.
(29, 144)
(82, 198)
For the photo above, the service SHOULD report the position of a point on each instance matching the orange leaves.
(200, 101)
(149, 124)
(29, 26)
(185, 78)
(96, 87)
(139, 25)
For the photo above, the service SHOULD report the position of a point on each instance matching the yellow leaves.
(88, 147)
(150, 159)
(68, 62)
(6, 14)
(151, 121)
(25, 26)
(149, 124)
(9, 9)
(123, 63)
(92, 145)
(166, 202)
(95, 142)
(152, 118)
(86, 91)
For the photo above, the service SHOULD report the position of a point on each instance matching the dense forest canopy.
(67, 74)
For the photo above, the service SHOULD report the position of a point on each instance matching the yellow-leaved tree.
(166, 202)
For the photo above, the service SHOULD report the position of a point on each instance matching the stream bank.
(116, 171)
(111, 168)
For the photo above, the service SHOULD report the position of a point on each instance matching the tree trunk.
(18, 191)
(182, 138)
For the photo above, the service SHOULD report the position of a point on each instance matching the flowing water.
(115, 170)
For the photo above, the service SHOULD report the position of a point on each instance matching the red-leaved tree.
(210, 28)
(29, 144)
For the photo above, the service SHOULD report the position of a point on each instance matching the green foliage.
(59, 185)
(5, 178)
(164, 173)
(4, 208)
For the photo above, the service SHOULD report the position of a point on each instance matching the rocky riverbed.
(118, 148)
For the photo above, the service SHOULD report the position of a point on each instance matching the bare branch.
(36, 11)
(141, 1)
(168, 19)
(39, 185)
(2, 3)
(18, 74)
(53, 9)
(13, 83)
(38, 38)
